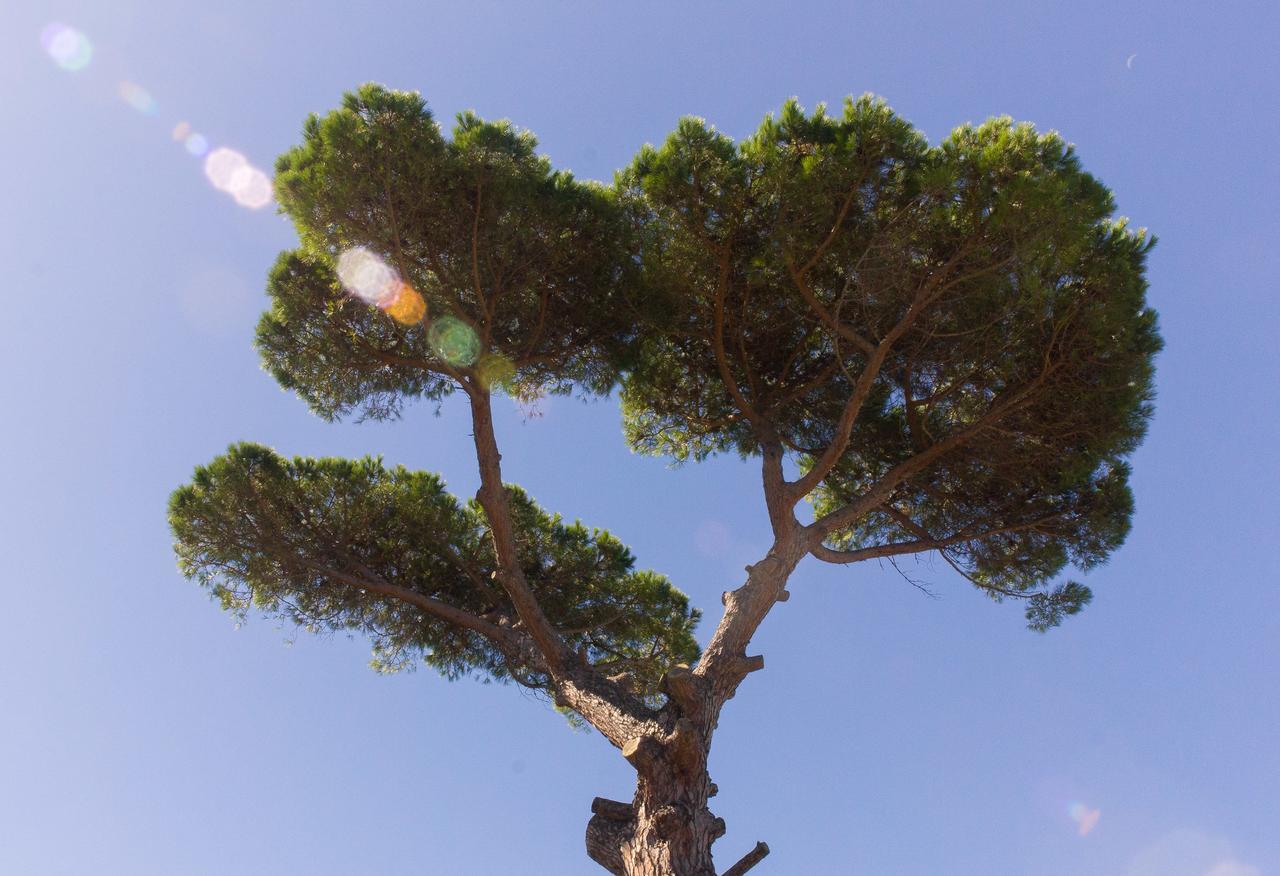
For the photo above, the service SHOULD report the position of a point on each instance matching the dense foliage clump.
(337, 544)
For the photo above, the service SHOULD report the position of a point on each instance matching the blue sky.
(891, 734)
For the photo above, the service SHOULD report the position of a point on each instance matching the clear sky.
(141, 733)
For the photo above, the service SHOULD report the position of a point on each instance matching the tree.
(942, 348)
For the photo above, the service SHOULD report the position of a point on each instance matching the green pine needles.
(950, 345)
(337, 544)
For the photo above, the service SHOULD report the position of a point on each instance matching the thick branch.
(605, 704)
(894, 549)
(497, 508)
(781, 516)
(724, 662)
(925, 542)
(608, 707)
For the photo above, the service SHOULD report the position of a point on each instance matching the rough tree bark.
(668, 828)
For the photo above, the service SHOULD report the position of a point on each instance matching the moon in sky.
(1129, 61)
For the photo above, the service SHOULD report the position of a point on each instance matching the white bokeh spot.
(365, 275)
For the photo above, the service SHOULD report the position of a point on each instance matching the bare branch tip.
(749, 860)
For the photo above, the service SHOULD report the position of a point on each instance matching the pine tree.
(941, 348)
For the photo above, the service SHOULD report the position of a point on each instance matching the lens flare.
(494, 369)
(407, 308)
(251, 188)
(68, 47)
(137, 97)
(221, 165)
(365, 275)
(454, 341)
(1084, 817)
(231, 172)
(196, 144)
(181, 131)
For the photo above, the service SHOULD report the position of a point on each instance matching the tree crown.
(485, 265)
(965, 321)
(949, 344)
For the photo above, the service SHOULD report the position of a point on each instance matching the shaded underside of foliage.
(336, 544)
(977, 298)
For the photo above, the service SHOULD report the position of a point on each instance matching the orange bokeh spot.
(407, 308)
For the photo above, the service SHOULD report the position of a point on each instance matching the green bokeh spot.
(454, 341)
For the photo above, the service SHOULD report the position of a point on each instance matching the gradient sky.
(891, 733)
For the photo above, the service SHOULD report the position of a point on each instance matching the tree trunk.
(667, 831)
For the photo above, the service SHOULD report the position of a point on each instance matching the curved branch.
(497, 508)
(844, 558)
(881, 489)
(717, 347)
(925, 542)
(802, 285)
(481, 301)
(442, 610)
(822, 467)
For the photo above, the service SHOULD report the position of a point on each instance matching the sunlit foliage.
(526, 259)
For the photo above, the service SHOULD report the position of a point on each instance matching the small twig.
(922, 586)
(749, 860)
